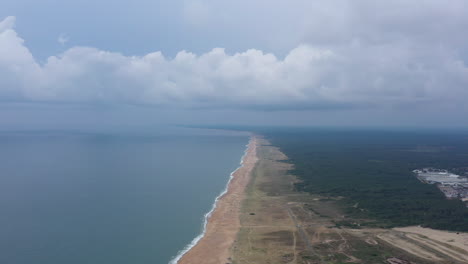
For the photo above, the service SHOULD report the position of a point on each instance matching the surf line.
(207, 216)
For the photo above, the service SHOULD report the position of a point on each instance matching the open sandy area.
(453, 244)
(457, 239)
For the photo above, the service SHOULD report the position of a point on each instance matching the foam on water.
(207, 216)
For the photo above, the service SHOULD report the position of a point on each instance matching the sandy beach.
(224, 223)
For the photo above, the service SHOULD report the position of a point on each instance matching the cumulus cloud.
(392, 54)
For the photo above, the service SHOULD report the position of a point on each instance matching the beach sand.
(223, 225)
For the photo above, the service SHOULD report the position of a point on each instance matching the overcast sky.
(135, 64)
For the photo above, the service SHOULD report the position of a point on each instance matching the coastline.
(222, 222)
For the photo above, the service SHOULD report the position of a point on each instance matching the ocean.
(96, 198)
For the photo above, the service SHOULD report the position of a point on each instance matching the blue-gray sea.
(108, 198)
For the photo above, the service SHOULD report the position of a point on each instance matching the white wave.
(207, 216)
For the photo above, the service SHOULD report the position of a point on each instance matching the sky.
(136, 64)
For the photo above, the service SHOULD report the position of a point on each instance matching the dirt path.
(302, 232)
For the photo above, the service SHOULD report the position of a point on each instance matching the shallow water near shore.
(100, 198)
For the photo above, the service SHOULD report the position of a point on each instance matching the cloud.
(63, 39)
(7, 23)
(364, 55)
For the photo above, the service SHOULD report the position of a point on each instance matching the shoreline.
(223, 214)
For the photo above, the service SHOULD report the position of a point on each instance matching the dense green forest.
(373, 171)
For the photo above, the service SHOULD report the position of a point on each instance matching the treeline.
(373, 170)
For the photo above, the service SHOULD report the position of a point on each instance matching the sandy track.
(409, 246)
(457, 239)
(452, 244)
(224, 223)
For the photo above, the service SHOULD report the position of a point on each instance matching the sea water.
(96, 198)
